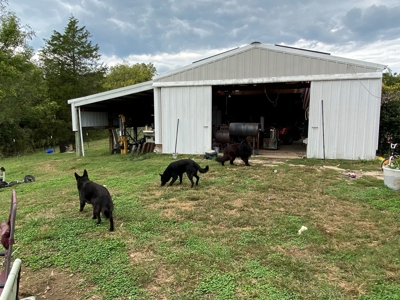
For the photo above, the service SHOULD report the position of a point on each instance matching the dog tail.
(201, 170)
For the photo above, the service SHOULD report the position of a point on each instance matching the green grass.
(234, 236)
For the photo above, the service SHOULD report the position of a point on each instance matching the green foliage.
(124, 74)
(25, 109)
(383, 291)
(72, 69)
(219, 285)
(389, 129)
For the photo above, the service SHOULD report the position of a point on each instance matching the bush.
(389, 128)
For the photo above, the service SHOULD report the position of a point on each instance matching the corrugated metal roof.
(260, 61)
(113, 94)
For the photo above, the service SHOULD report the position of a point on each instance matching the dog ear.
(76, 176)
(85, 173)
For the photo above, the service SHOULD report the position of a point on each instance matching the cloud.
(362, 23)
(165, 61)
(371, 52)
(178, 28)
(121, 25)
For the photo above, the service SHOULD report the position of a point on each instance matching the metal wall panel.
(349, 128)
(94, 119)
(192, 106)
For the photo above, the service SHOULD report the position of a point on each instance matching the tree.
(124, 74)
(389, 126)
(15, 55)
(23, 102)
(72, 69)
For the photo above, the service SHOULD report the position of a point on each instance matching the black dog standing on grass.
(242, 150)
(97, 195)
(177, 168)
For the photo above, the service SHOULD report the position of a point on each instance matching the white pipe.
(80, 131)
(11, 286)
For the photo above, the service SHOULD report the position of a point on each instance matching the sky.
(174, 33)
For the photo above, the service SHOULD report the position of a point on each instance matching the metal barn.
(337, 99)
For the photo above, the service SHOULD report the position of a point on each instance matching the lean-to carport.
(99, 111)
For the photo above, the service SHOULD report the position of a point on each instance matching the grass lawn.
(234, 236)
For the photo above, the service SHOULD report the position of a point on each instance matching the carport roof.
(140, 90)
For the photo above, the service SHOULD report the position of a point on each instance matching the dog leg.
(108, 214)
(96, 214)
(111, 223)
(82, 205)
(246, 161)
(174, 178)
(190, 176)
(180, 178)
(98, 217)
(197, 179)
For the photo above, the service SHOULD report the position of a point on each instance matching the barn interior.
(279, 110)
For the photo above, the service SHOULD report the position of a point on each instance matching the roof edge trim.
(354, 76)
(120, 92)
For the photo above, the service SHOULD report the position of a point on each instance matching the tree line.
(35, 87)
(389, 125)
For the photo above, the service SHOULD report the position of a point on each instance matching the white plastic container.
(391, 178)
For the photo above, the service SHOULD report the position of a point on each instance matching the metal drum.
(222, 136)
(244, 129)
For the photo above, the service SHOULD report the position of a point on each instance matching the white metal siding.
(94, 119)
(157, 116)
(351, 110)
(192, 106)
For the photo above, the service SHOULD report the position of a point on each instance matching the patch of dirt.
(53, 284)
(358, 174)
(138, 257)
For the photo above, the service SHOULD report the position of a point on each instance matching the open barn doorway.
(282, 107)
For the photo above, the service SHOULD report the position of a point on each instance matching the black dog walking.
(232, 151)
(97, 195)
(177, 168)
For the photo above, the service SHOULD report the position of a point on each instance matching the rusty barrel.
(244, 129)
(222, 136)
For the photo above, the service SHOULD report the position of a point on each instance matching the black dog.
(242, 150)
(97, 195)
(177, 168)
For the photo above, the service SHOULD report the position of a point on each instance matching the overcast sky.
(174, 33)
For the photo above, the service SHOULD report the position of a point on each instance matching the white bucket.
(391, 178)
